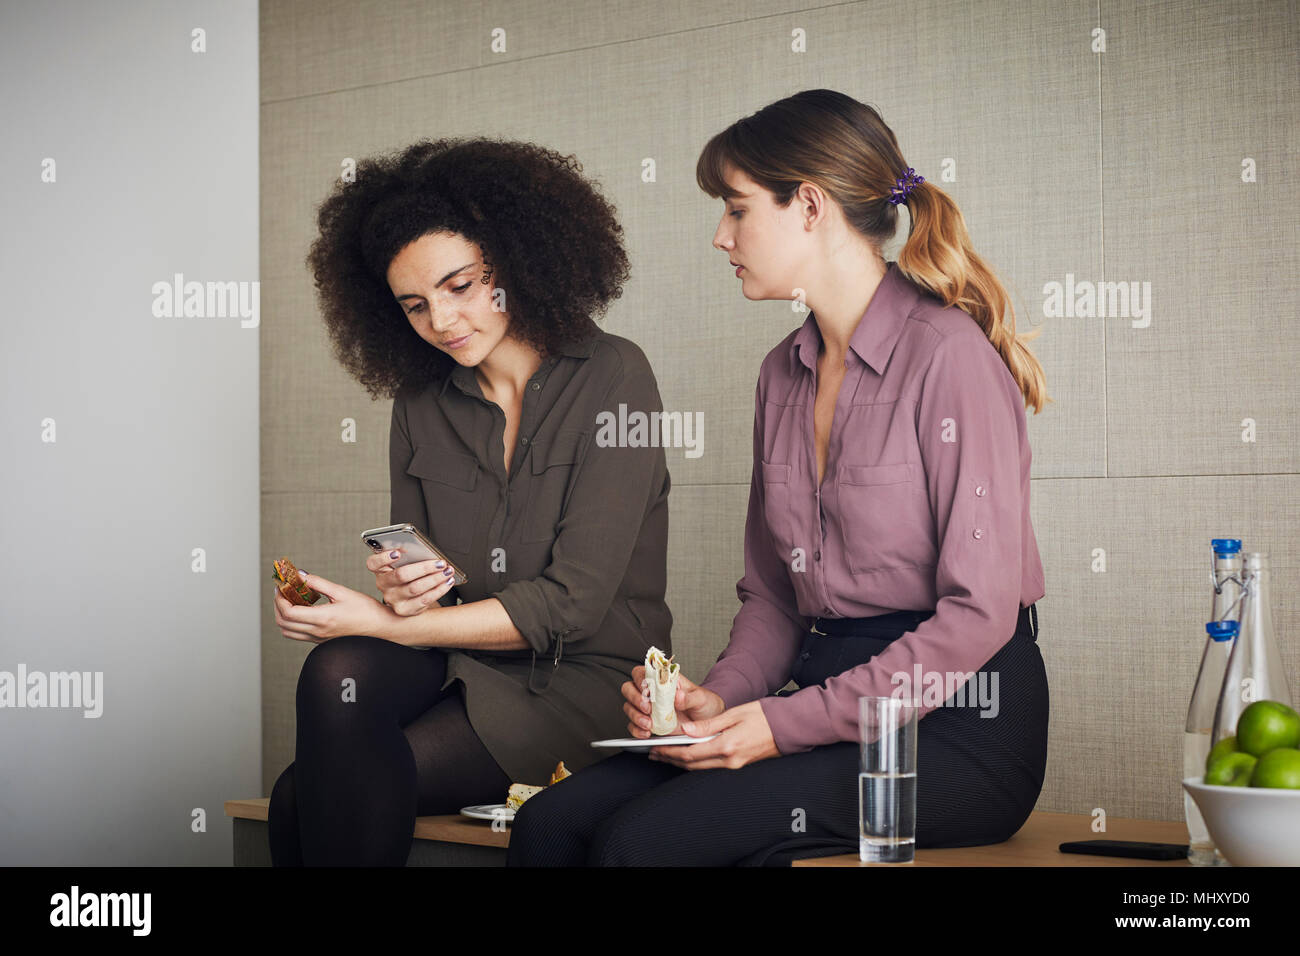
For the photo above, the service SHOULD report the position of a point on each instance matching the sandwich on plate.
(519, 792)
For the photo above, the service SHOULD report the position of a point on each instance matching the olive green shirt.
(573, 542)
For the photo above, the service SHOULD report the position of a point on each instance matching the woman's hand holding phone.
(412, 588)
(693, 703)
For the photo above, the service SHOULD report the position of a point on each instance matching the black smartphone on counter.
(1133, 849)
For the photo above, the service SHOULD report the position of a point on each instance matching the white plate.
(637, 743)
(489, 811)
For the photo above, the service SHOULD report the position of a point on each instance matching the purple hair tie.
(904, 186)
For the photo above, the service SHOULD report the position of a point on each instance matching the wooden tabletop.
(1037, 842)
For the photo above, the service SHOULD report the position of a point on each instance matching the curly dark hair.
(527, 207)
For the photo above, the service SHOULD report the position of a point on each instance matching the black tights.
(374, 754)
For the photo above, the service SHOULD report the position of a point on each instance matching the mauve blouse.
(924, 506)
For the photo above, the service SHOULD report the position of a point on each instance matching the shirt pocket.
(884, 517)
(551, 463)
(448, 480)
(777, 508)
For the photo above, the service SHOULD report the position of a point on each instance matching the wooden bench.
(453, 840)
(447, 840)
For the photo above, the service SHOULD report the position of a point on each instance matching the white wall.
(129, 440)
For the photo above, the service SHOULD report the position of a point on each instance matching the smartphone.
(1132, 849)
(413, 545)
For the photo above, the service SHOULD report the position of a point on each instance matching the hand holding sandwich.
(692, 702)
(744, 736)
(348, 612)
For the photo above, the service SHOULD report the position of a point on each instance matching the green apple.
(1266, 724)
(1231, 770)
(1280, 767)
(1225, 746)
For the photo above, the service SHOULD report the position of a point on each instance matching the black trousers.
(978, 777)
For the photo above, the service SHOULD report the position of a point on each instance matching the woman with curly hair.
(460, 278)
(888, 541)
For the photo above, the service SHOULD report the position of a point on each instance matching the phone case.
(1132, 849)
(414, 545)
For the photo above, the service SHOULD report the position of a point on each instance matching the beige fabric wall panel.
(706, 540)
(307, 400)
(1192, 92)
(319, 46)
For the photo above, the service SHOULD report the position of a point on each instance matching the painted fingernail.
(395, 554)
(447, 571)
(440, 564)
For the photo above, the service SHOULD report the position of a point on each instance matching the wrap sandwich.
(661, 690)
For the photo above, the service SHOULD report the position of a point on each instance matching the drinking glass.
(887, 779)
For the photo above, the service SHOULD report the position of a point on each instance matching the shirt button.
(817, 555)
(979, 532)
(979, 490)
(536, 386)
(523, 441)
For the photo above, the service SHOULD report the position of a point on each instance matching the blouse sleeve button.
(979, 532)
(979, 490)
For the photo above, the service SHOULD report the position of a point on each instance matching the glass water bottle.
(1196, 740)
(1225, 576)
(1255, 666)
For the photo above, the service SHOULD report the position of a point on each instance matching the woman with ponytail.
(888, 544)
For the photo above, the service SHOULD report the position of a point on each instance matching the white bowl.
(1251, 826)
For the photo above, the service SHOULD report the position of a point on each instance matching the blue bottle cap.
(1225, 545)
(1222, 630)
